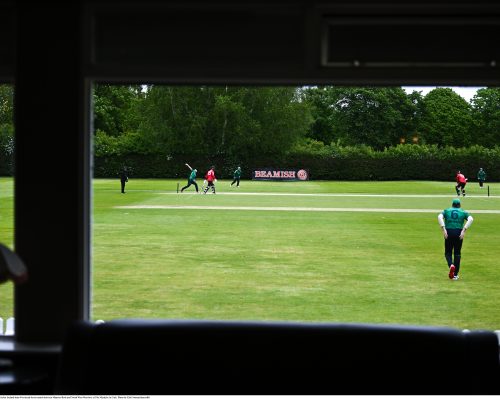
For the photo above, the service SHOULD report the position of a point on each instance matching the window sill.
(9, 347)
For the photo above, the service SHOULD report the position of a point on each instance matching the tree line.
(267, 119)
(241, 123)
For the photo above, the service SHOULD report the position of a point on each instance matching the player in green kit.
(452, 221)
(236, 176)
(481, 177)
(191, 179)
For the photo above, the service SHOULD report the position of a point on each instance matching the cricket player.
(461, 182)
(236, 177)
(191, 179)
(481, 177)
(451, 222)
(210, 179)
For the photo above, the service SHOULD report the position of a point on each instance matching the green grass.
(7, 239)
(372, 267)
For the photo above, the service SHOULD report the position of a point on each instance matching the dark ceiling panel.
(199, 39)
(7, 43)
(417, 42)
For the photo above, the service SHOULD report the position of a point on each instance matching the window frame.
(60, 283)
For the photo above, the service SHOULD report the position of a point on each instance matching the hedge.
(402, 162)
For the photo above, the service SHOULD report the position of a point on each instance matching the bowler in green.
(191, 179)
(452, 222)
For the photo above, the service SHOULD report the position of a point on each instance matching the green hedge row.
(402, 162)
(158, 166)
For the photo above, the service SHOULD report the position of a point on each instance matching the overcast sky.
(467, 92)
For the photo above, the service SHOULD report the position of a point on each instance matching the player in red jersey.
(211, 180)
(461, 182)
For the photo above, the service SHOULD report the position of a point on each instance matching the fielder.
(236, 176)
(451, 222)
(481, 177)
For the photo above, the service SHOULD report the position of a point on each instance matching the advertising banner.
(273, 174)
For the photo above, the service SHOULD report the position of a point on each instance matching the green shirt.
(192, 177)
(237, 173)
(481, 175)
(454, 218)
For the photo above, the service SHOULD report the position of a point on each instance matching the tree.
(174, 119)
(6, 104)
(321, 100)
(377, 117)
(6, 129)
(224, 121)
(446, 118)
(116, 108)
(269, 122)
(485, 128)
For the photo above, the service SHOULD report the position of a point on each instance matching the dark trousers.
(481, 183)
(460, 187)
(123, 185)
(453, 245)
(210, 184)
(189, 184)
(237, 180)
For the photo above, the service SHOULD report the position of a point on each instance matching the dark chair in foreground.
(159, 357)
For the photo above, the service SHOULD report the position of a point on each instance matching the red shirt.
(210, 176)
(461, 178)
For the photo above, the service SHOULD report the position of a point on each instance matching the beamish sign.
(271, 174)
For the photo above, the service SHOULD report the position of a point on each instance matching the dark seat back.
(159, 357)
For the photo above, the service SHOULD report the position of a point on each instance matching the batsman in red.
(211, 180)
(461, 182)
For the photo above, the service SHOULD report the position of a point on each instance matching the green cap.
(455, 203)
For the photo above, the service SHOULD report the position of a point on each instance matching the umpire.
(123, 178)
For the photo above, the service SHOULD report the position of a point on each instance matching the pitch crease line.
(337, 195)
(309, 209)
